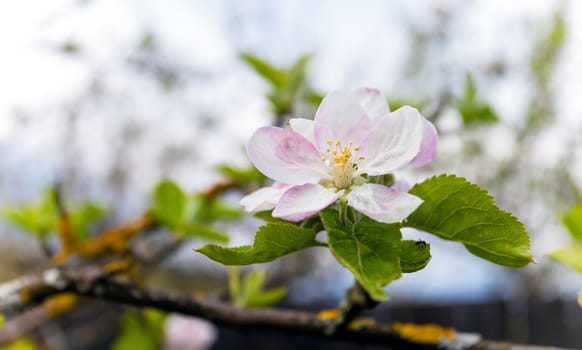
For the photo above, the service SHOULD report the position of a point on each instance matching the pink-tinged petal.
(301, 202)
(285, 156)
(340, 117)
(373, 102)
(382, 203)
(393, 143)
(304, 127)
(264, 199)
(428, 147)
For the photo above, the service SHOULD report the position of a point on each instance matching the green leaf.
(266, 298)
(414, 255)
(241, 175)
(169, 204)
(296, 75)
(39, 219)
(249, 293)
(472, 110)
(202, 231)
(458, 210)
(82, 219)
(254, 282)
(369, 249)
(572, 219)
(266, 215)
(1, 320)
(272, 241)
(234, 282)
(569, 256)
(134, 334)
(210, 210)
(272, 74)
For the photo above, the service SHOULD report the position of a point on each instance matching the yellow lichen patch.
(200, 294)
(115, 240)
(24, 295)
(328, 315)
(118, 265)
(361, 323)
(427, 333)
(60, 304)
(21, 344)
(68, 241)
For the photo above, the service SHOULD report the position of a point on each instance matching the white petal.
(300, 202)
(286, 156)
(382, 203)
(340, 117)
(394, 141)
(428, 146)
(263, 199)
(373, 102)
(304, 127)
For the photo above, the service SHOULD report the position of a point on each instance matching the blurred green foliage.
(242, 175)
(288, 85)
(41, 219)
(142, 330)
(249, 292)
(572, 219)
(547, 49)
(180, 213)
(542, 65)
(474, 110)
(571, 256)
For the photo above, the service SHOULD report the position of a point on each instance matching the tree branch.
(92, 281)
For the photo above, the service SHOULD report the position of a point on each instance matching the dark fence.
(553, 323)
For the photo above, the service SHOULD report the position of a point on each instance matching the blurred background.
(110, 97)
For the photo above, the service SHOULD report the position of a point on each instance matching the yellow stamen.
(361, 158)
(323, 159)
(329, 142)
(357, 148)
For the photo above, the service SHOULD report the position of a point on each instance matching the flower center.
(342, 159)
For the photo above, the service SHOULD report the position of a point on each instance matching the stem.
(343, 210)
(355, 301)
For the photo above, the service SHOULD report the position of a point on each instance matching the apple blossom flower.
(353, 137)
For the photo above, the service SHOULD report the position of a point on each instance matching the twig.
(356, 301)
(64, 227)
(92, 281)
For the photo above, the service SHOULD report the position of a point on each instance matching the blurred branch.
(91, 281)
(64, 226)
